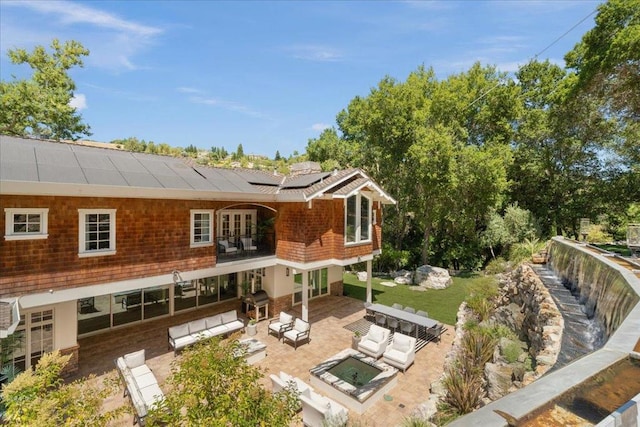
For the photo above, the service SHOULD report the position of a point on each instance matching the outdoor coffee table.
(256, 350)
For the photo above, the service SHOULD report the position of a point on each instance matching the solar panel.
(302, 181)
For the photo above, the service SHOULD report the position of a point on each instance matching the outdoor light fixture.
(177, 279)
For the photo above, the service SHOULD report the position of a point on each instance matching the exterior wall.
(152, 238)
(65, 327)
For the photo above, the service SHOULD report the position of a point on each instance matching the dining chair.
(407, 327)
(410, 309)
(396, 305)
(422, 313)
(393, 323)
(381, 319)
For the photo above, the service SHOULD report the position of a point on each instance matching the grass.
(619, 249)
(441, 304)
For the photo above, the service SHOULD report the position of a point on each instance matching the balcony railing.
(231, 248)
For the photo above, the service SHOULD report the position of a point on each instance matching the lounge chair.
(401, 352)
(298, 333)
(225, 247)
(279, 325)
(375, 342)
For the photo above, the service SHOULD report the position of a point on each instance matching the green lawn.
(619, 249)
(442, 305)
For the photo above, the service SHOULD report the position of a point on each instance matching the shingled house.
(96, 239)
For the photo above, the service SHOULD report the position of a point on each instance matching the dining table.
(399, 314)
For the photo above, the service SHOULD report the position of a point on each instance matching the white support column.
(305, 296)
(369, 292)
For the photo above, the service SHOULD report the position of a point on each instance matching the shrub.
(464, 388)
(511, 351)
(415, 421)
(477, 349)
(598, 235)
(481, 299)
(496, 266)
(499, 330)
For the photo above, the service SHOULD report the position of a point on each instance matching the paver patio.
(327, 315)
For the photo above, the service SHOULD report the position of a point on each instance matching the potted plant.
(355, 340)
(252, 327)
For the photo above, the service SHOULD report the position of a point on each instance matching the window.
(201, 228)
(357, 219)
(318, 284)
(97, 232)
(23, 224)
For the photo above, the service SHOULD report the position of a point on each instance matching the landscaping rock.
(403, 277)
(433, 277)
(498, 380)
(362, 276)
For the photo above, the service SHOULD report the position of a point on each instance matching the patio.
(328, 317)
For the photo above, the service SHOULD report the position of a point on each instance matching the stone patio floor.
(327, 316)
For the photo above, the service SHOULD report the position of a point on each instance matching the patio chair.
(375, 342)
(396, 305)
(410, 309)
(435, 332)
(247, 244)
(320, 411)
(279, 325)
(393, 323)
(226, 247)
(422, 313)
(407, 327)
(298, 333)
(401, 352)
(381, 319)
(367, 310)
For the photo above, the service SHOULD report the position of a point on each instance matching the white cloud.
(186, 89)
(79, 101)
(319, 127)
(112, 40)
(317, 53)
(74, 13)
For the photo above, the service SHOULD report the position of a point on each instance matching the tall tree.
(41, 106)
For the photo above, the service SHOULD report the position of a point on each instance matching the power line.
(537, 54)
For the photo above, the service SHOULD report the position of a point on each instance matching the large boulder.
(433, 277)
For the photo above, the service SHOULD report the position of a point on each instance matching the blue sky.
(270, 75)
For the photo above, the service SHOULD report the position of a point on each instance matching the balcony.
(234, 248)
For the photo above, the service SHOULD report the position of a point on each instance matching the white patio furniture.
(319, 411)
(374, 343)
(226, 247)
(282, 323)
(401, 352)
(396, 305)
(300, 332)
(282, 381)
(247, 244)
(140, 384)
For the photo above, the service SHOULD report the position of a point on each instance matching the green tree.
(212, 386)
(331, 151)
(41, 106)
(277, 156)
(239, 154)
(40, 398)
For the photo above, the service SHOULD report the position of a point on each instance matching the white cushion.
(234, 325)
(395, 356)
(218, 330)
(224, 243)
(301, 325)
(213, 321)
(285, 318)
(376, 335)
(135, 359)
(229, 316)
(401, 343)
(179, 331)
(196, 326)
(183, 341)
(140, 371)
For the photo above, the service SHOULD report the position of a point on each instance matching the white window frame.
(358, 215)
(82, 216)
(201, 243)
(10, 234)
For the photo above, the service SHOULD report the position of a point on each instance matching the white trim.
(82, 216)
(358, 225)
(9, 213)
(192, 241)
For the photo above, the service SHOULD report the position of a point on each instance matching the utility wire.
(536, 55)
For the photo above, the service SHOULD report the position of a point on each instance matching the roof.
(30, 166)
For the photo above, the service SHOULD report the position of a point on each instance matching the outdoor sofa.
(140, 384)
(191, 332)
(401, 352)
